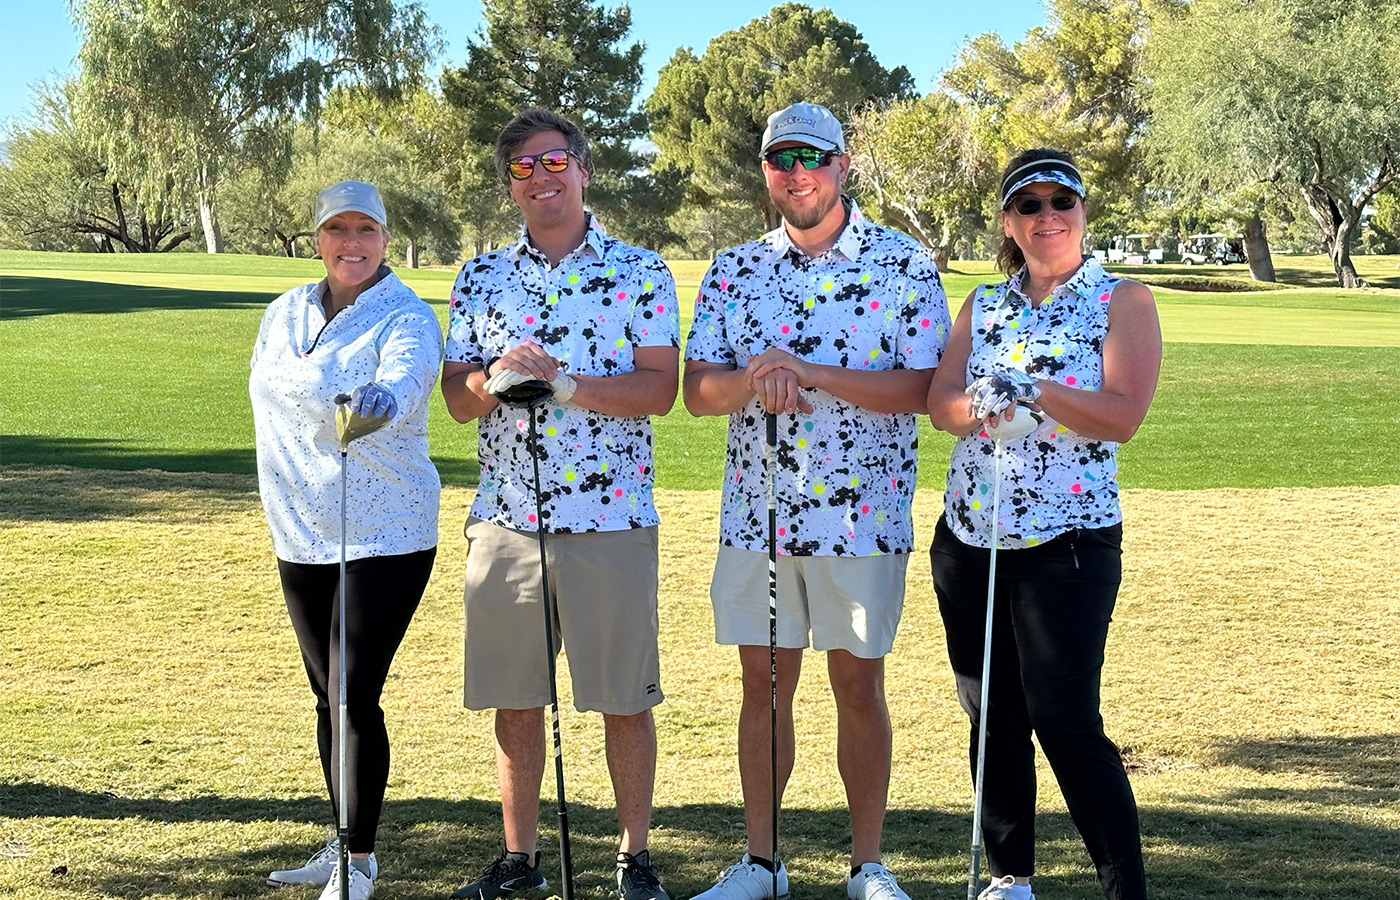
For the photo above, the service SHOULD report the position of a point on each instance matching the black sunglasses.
(522, 167)
(810, 157)
(1030, 204)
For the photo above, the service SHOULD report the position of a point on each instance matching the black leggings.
(383, 592)
(1052, 609)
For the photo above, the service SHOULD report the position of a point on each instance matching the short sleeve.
(708, 341)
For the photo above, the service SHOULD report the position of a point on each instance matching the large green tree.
(57, 192)
(1075, 84)
(1304, 93)
(925, 167)
(708, 112)
(183, 89)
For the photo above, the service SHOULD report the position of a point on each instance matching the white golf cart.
(1216, 247)
(1133, 250)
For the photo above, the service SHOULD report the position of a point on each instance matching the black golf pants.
(1052, 605)
(383, 593)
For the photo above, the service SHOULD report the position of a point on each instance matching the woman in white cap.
(360, 331)
(1066, 347)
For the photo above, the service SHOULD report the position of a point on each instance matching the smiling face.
(352, 246)
(549, 200)
(804, 197)
(1051, 235)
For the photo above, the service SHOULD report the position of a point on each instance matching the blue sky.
(38, 41)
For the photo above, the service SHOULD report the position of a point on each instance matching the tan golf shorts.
(843, 603)
(602, 589)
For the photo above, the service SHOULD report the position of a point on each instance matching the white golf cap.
(805, 123)
(348, 196)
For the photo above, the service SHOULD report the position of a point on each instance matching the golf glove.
(373, 401)
(563, 387)
(504, 380)
(993, 393)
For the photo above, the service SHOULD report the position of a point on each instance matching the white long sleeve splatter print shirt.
(300, 363)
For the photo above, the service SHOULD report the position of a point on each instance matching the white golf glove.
(993, 393)
(504, 380)
(563, 387)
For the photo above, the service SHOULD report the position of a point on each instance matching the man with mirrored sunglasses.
(596, 320)
(834, 325)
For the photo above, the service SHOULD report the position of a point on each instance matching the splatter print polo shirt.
(1053, 479)
(589, 312)
(845, 474)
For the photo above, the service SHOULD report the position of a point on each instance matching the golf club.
(529, 395)
(349, 425)
(1005, 430)
(770, 455)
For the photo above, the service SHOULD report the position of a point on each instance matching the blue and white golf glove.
(373, 401)
(993, 393)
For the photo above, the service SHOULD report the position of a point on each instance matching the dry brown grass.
(157, 741)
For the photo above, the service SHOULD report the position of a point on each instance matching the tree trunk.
(1337, 220)
(411, 255)
(1256, 250)
(213, 237)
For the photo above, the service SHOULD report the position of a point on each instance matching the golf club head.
(350, 426)
(528, 394)
(1023, 424)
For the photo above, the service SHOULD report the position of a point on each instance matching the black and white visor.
(1055, 171)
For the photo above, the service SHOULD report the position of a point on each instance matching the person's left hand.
(373, 400)
(775, 376)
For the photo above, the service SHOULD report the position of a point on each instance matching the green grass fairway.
(144, 365)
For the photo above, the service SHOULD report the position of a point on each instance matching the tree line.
(199, 122)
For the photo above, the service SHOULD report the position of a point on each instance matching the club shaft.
(566, 864)
(771, 470)
(343, 760)
(974, 867)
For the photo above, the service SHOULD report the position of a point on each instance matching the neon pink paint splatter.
(1071, 381)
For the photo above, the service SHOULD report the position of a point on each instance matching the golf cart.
(1217, 248)
(1132, 250)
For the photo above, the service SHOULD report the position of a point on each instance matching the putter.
(348, 426)
(1005, 430)
(529, 395)
(770, 455)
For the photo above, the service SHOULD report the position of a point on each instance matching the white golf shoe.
(361, 887)
(874, 882)
(747, 880)
(318, 868)
(1005, 888)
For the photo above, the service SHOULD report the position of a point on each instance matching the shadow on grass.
(85, 479)
(25, 296)
(1363, 770)
(428, 845)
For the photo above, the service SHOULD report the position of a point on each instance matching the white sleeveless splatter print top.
(1054, 481)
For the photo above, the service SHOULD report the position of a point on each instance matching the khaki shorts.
(846, 603)
(603, 604)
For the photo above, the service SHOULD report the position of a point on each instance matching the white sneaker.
(1003, 888)
(746, 880)
(318, 868)
(874, 882)
(361, 888)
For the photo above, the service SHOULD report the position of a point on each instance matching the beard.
(807, 216)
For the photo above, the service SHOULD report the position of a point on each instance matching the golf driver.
(1005, 430)
(349, 426)
(529, 395)
(770, 455)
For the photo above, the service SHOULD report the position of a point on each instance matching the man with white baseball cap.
(834, 325)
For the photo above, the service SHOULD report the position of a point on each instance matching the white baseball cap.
(807, 123)
(349, 196)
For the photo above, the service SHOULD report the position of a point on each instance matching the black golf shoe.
(637, 878)
(503, 876)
